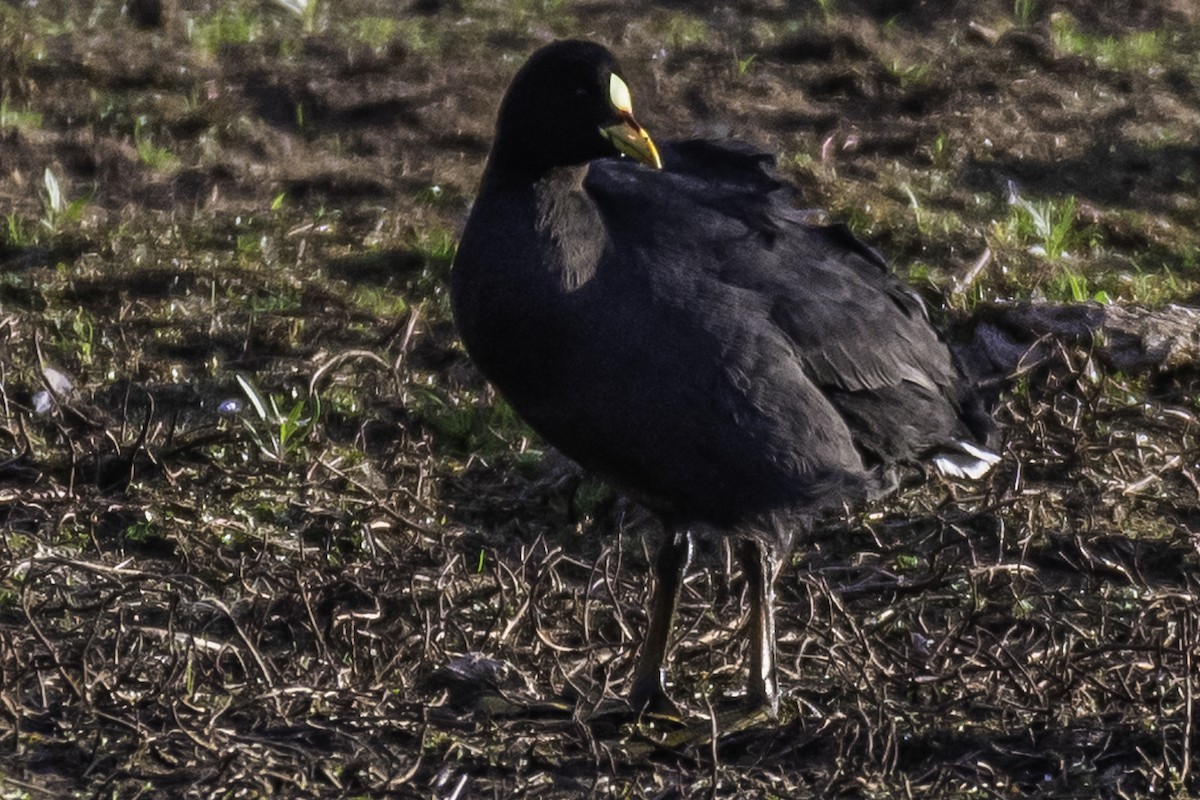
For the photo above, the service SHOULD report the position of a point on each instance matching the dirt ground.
(264, 531)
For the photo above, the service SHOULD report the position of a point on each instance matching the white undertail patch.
(972, 463)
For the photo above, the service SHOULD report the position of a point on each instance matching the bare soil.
(380, 584)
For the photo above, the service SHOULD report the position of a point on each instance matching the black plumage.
(685, 332)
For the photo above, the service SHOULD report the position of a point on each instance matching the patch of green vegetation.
(343, 400)
(766, 33)
(1133, 51)
(143, 531)
(436, 244)
(480, 21)
(590, 496)
(681, 30)
(828, 9)
(415, 34)
(1145, 287)
(929, 221)
(249, 248)
(11, 117)
(22, 37)
(466, 427)
(921, 273)
(940, 152)
(1069, 285)
(436, 248)
(10, 599)
(56, 209)
(516, 7)
(908, 75)
(1046, 227)
(304, 10)
(232, 23)
(76, 336)
(279, 436)
(280, 300)
(1151, 288)
(859, 220)
(431, 196)
(375, 32)
(153, 156)
(933, 233)
(378, 301)
(18, 233)
(1025, 11)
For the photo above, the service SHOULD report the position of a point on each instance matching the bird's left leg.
(760, 564)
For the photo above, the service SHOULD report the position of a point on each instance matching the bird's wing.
(722, 238)
(720, 211)
(854, 327)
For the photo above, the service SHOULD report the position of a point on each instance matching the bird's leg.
(648, 690)
(760, 565)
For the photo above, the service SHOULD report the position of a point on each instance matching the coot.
(671, 322)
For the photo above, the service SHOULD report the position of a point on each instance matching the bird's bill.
(632, 140)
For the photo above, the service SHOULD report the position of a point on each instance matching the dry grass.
(1038, 638)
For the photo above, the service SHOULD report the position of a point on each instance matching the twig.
(968, 279)
(714, 733)
(337, 361)
(37, 631)
(1189, 696)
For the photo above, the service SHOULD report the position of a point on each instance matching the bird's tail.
(968, 461)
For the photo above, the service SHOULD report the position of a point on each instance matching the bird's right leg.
(648, 690)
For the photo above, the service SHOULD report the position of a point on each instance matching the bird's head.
(568, 105)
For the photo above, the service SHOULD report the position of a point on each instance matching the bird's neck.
(568, 218)
(503, 174)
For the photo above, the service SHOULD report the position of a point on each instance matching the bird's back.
(720, 357)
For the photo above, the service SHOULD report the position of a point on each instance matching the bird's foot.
(764, 699)
(649, 696)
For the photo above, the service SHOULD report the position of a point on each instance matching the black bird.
(672, 323)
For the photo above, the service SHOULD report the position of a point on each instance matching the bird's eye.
(618, 94)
